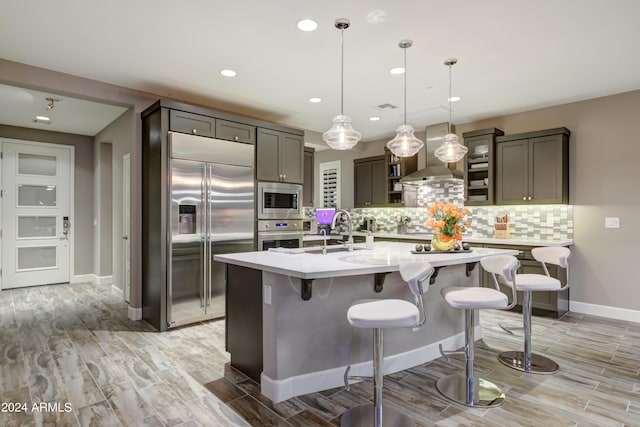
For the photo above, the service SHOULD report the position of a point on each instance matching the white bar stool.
(466, 389)
(527, 283)
(378, 315)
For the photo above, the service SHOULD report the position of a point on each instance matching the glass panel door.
(38, 184)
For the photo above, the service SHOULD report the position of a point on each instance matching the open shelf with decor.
(397, 168)
(479, 166)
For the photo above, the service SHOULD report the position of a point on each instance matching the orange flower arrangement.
(448, 221)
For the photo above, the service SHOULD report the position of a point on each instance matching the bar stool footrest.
(485, 393)
(539, 364)
(363, 415)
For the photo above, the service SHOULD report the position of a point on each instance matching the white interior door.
(36, 214)
(126, 227)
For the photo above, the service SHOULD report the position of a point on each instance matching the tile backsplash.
(553, 222)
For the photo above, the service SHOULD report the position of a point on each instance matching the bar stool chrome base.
(362, 416)
(485, 393)
(539, 364)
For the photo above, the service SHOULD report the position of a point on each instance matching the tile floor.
(72, 346)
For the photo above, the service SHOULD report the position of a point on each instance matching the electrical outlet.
(266, 291)
(612, 222)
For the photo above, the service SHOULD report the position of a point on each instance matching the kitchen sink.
(317, 250)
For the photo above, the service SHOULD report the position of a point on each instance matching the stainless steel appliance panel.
(277, 200)
(279, 234)
(191, 147)
(187, 268)
(212, 212)
(231, 223)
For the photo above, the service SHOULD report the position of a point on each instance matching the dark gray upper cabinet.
(233, 131)
(280, 156)
(533, 167)
(370, 181)
(195, 124)
(307, 187)
(479, 166)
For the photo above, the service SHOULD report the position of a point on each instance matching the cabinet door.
(233, 131)
(512, 172)
(195, 124)
(362, 184)
(267, 155)
(307, 187)
(547, 180)
(378, 182)
(291, 158)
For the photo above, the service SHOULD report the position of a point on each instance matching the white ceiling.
(514, 55)
(20, 106)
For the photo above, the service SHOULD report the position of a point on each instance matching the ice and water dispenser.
(187, 219)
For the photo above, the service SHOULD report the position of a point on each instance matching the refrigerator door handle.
(207, 283)
(203, 225)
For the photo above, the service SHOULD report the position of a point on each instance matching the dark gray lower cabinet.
(243, 324)
(545, 303)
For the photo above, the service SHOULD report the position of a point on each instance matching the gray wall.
(117, 134)
(23, 75)
(82, 226)
(604, 178)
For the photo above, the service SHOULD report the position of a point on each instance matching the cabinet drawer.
(233, 131)
(195, 124)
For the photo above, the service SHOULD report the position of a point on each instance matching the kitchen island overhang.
(308, 343)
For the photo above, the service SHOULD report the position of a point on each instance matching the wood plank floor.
(73, 345)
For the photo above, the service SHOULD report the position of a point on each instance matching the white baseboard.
(134, 313)
(92, 278)
(84, 278)
(117, 291)
(104, 280)
(605, 311)
(281, 390)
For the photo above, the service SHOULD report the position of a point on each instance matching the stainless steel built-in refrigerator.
(212, 212)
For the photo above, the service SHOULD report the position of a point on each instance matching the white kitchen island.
(286, 313)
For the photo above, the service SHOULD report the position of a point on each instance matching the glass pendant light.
(341, 136)
(451, 150)
(405, 144)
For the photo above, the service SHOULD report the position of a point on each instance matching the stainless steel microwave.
(278, 200)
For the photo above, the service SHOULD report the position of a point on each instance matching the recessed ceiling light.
(454, 99)
(42, 119)
(374, 119)
(315, 100)
(397, 70)
(307, 25)
(228, 73)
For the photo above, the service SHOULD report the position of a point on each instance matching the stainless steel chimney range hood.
(432, 174)
(435, 171)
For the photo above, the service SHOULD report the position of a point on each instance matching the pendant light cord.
(449, 98)
(342, 71)
(405, 85)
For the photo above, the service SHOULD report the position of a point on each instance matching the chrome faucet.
(339, 212)
(324, 240)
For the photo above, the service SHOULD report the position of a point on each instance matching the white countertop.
(385, 257)
(470, 239)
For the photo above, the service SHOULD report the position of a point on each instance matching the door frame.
(72, 174)
(126, 221)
